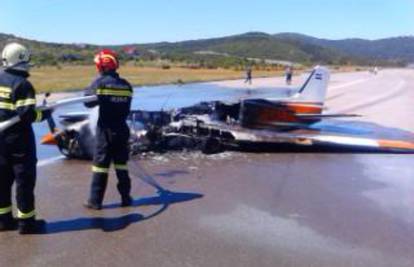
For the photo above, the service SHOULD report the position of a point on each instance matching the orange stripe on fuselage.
(304, 108)
(396, 144)
(276, 115)
(286, 111)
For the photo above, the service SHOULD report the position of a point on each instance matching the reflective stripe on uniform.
(25, 102)
(99, 169)
(39, 115)
(121, 167)
(28, 215)
(111, 92)
(5, 90)
(7, 106)
(5, 210)
(5, 95)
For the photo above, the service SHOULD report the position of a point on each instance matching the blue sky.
(139, 21)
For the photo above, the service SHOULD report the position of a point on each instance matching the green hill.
(52, 53)
(399, 50)
(236, 50)
(255, 45)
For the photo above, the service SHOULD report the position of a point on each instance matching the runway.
(234, 209)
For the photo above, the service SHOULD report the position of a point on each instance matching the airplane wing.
(50, 106)
(322, 141)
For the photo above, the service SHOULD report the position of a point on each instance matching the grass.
(71, 78)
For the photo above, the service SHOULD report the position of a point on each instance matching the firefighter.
(17, 143)
(112, 132)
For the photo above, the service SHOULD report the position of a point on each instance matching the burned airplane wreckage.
(294, 124)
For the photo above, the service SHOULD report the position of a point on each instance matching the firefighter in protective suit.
(112, 132)
(17, 143)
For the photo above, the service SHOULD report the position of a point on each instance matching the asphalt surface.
(234, 209)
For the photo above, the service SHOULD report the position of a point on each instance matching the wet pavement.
(234, 209)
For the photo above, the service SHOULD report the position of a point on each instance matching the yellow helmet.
(16, 56)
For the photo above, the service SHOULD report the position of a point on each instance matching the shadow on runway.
(104, 224)
(171, 174)
(165, 198)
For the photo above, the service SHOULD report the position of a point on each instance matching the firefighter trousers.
(110, 147)
(18, 165)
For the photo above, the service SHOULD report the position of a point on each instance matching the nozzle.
(49, 139)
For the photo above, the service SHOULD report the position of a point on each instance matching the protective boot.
(92, 206)
(7, 222)
(31, 226)
(124, 187)
(126, 201)
(98, 187)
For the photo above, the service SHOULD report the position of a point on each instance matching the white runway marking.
(45, 162)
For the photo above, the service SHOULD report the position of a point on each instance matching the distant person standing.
(289, 74)
(249, 76)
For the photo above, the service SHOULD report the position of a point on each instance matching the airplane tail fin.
(316, 86)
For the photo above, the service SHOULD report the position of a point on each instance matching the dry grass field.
(70, 78)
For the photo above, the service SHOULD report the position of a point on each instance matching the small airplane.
(295, 124)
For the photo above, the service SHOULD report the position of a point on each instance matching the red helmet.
(106, 60)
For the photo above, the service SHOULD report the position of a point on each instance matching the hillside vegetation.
(235, 52)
